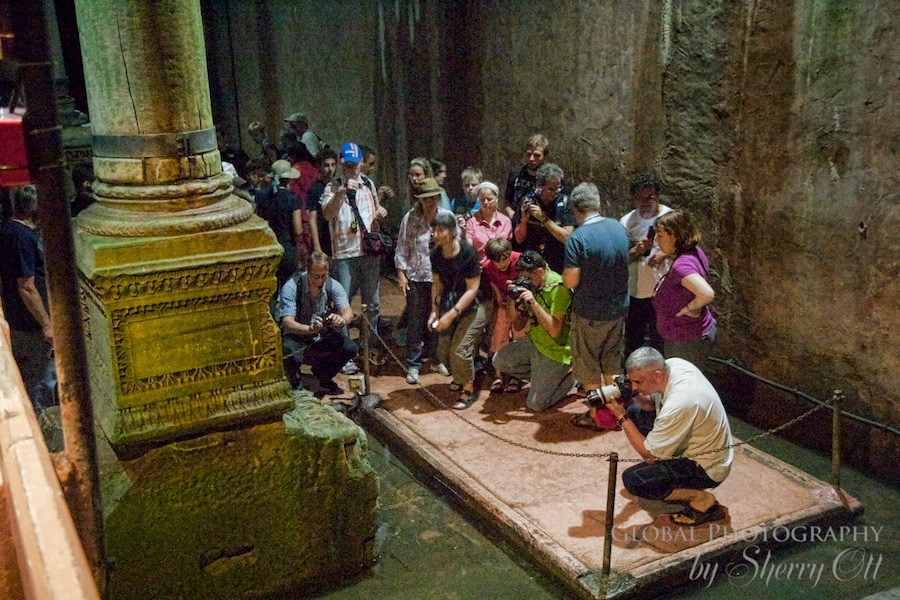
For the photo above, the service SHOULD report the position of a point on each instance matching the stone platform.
(543, 484)
(532, 476)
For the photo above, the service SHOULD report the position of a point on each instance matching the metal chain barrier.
(437, 403)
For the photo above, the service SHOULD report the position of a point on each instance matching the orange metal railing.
(42, 556)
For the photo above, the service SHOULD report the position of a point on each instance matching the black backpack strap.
(329, 293)
(369, 184)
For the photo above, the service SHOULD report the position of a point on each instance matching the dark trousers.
(640, 324)
(325, 354)
(657, 480)
(420, 341)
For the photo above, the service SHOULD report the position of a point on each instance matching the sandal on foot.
(455, 387)
(690, 516)
(514, 386)
(586, 421)
(466, 399)
(498, 386)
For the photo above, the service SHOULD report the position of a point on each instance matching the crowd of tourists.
(530, 287)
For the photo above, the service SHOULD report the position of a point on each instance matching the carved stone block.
(179, 334)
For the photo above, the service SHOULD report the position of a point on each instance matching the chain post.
(366, 350)
(610, 511)
(836, 401)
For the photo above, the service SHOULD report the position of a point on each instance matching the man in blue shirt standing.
(22, 280)
(598, 249)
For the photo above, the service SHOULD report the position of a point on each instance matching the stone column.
(176, 272)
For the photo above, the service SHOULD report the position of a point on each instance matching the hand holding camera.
(352, 186)
(647, 243)
(619, 391)
(522, 292)
(324, 323)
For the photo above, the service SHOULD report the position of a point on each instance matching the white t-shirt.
(642, 278)
(691, 419)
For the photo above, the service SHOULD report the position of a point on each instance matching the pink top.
(479, 231)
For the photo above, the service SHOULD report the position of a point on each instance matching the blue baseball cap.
(351, 153)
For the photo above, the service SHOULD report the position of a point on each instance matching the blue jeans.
(639, 324)
(361, 274)
(657, 480)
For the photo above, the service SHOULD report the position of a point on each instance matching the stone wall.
(775, 124)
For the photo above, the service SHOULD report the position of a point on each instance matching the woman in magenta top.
(682, 298)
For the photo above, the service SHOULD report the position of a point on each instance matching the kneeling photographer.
(689, 449)
(544, 355)
(314, 312)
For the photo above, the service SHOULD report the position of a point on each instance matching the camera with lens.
(520, 285)
(620, 390)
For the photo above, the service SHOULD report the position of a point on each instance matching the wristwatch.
(622, 420)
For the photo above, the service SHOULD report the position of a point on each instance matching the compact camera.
(620, 390)
(530, 198)
(651, 234)
(327, 326)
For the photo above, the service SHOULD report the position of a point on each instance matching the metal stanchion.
(610, 511)
(364, 334)
(836, 399)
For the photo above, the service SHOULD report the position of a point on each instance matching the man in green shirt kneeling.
(539, 301)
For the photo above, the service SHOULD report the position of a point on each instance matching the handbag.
(375, 243)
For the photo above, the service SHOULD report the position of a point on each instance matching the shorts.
(596, 348)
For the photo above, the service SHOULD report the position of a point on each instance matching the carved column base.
(179, 334)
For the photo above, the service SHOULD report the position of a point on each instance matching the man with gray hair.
(689, 449)
(596, 268)
(545, 219)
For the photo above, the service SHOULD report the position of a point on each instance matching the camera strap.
(359, 222)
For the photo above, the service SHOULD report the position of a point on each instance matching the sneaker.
(412, 375)
(440, 369)
(350, 368)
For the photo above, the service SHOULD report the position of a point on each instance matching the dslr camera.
(620, 391)
(520, 285)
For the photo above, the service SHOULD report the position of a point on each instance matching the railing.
(42, 556)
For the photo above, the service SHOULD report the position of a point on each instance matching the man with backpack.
(314, 311)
